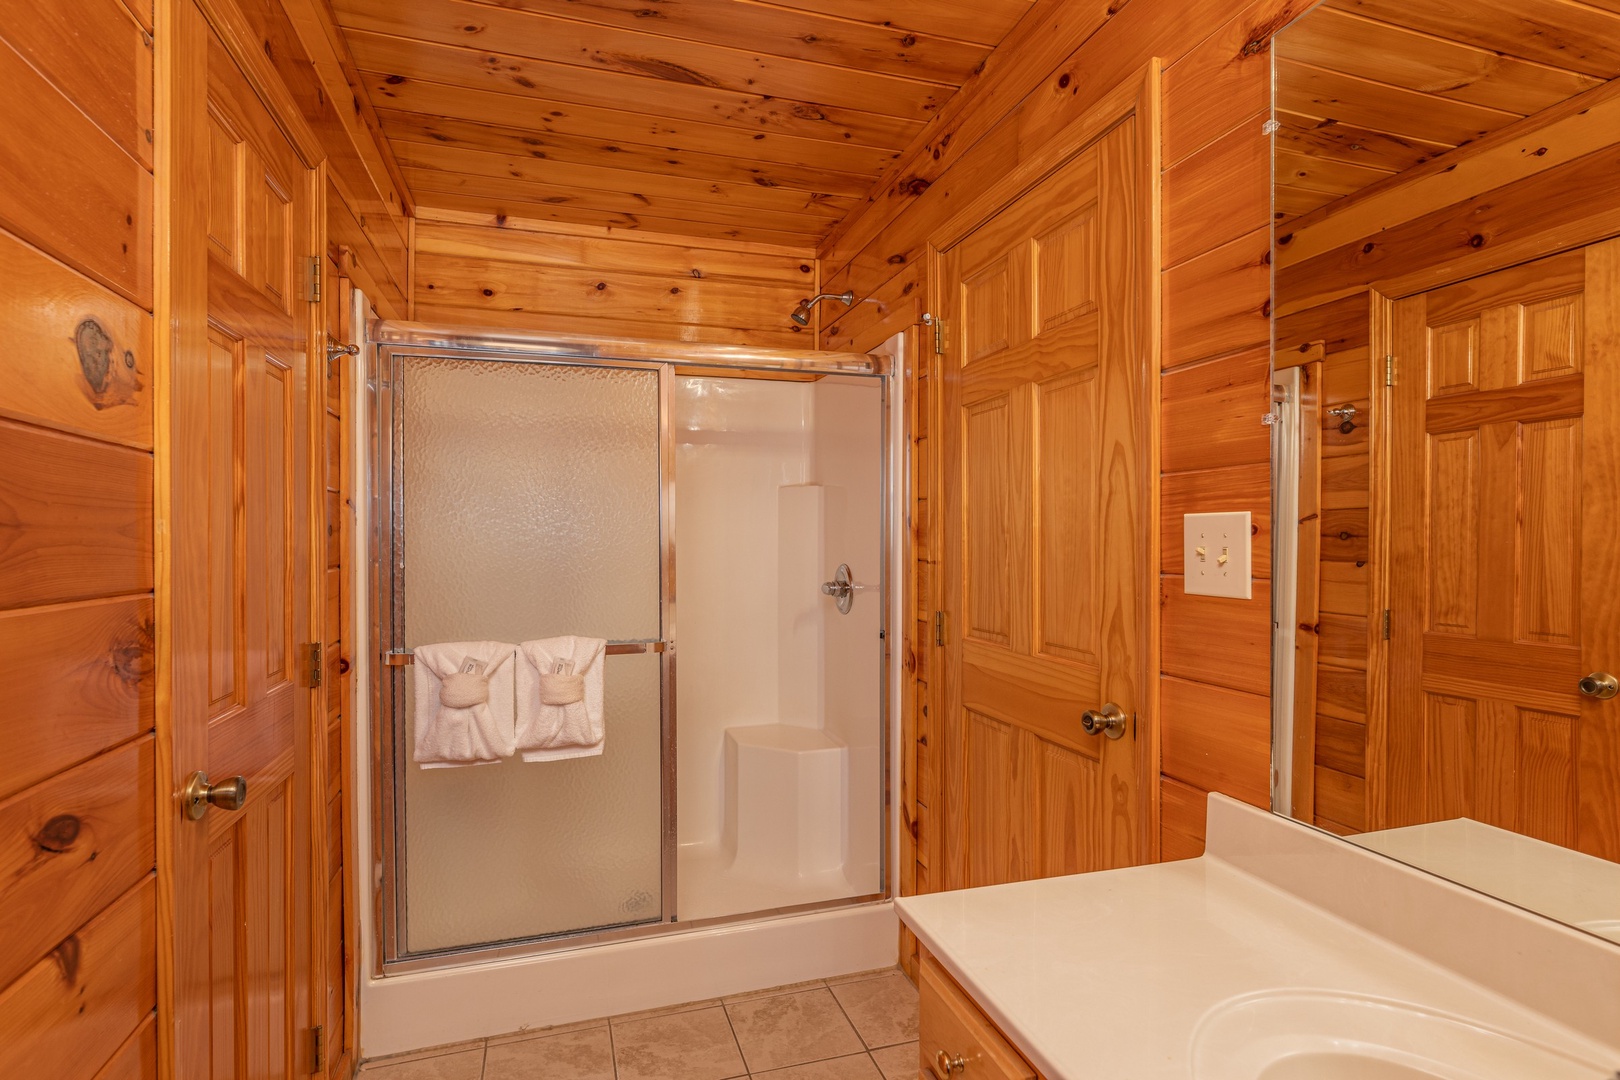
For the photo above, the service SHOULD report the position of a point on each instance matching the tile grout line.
(725, 1009)
(852, 1025)
(613, 1048)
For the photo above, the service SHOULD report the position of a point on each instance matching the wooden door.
(1047, 575)
(241, 586)
(1504, 547)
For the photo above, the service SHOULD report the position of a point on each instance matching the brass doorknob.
(199, 794)
(1110, 720)
(1600, 685)
(948, 1064)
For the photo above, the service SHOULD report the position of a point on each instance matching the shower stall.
(720, 517)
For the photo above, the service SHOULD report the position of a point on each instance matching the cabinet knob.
(949, 1065)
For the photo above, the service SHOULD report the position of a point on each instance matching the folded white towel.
(559, 688)
(465, 703)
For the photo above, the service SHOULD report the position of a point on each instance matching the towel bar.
(404, 657)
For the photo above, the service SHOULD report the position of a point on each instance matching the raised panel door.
(1046, 494)
(1503, 443)
(242, 524)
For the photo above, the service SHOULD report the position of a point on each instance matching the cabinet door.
(955, 1039)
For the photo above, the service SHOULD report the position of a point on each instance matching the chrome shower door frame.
(388, 343)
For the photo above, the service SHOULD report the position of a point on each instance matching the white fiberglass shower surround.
(688, 504)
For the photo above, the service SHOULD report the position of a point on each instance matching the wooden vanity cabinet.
(956, 1041)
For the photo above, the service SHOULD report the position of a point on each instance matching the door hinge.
(1389, 370)
(313, 663)
(1386, 624)
(317, 1048)
(312, 279)
(939, 628)
(939, 332)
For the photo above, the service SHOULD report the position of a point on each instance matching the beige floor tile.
(853, 1067)
(696, 1045)
(573, 1055)
(792, 1029)
(534, 1032)
(791, 988)
(427, 1052)
(457, 1065)
(857, 976)
(897, 1062)
(883, 1010)
(685, 1006)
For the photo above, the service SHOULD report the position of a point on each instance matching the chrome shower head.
(801, 314)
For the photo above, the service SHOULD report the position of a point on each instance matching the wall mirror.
(1446, 447)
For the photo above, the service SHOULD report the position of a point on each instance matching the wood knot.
(94, 346)
(131, 660)
(67, 956)
(58, 835)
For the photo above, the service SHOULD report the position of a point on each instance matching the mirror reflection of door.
(1490, 428)
(1448, 284)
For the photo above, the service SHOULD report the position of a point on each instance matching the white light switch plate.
(1216, 555)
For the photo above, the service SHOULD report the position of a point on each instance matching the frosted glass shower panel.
(529, 507)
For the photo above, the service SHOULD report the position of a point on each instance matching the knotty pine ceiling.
(761, 122)
(1370, 88)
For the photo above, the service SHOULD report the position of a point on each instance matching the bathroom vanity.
(1282, 954)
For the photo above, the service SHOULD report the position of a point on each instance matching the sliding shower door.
(528, 498)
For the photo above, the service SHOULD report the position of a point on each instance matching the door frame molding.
(1138, 95)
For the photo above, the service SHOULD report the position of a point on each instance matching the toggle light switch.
(1217, 555)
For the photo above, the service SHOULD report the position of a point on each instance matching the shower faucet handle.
(842, 588)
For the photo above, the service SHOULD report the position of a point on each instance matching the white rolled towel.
(559, 688)
(465, 708)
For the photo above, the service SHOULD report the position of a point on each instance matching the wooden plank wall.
(479, 270)
(1215, 723)
(78, 975)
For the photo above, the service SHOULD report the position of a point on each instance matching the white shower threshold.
(431, 1008)
(710, 886)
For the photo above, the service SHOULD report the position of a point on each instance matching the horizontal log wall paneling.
(78, 973)
(472, 270)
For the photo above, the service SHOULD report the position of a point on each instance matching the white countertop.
(1105, 976)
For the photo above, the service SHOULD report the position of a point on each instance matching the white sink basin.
(1319, 1035)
